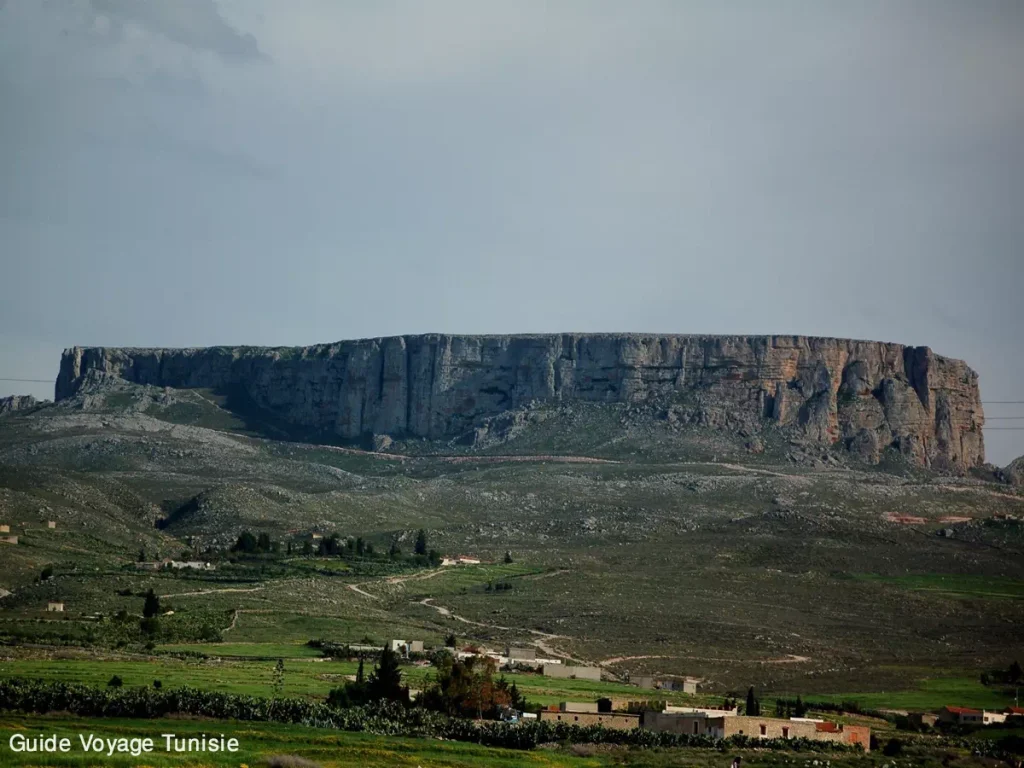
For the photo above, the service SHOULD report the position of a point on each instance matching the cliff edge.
(866, 396)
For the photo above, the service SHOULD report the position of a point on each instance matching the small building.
(521, 654)
(51, 524)
(617, 720)
(960, 715)
(9, 539)
(578, 706)
(992, 718)
(707, 711)
(577, 673)
(642, 681)
(468, 560)
(405, 647)
(192, 565)
(55, 606)
(5, 528)
(724, 727)
(922, 719)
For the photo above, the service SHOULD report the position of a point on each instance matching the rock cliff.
(19, 403)
(867, 396)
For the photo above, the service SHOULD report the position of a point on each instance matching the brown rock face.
(866, 395)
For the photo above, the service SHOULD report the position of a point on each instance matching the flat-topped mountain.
(865, 396)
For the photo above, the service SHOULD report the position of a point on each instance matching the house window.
(576, 719)
(559, 717)
(695, 727)
(764, 730)
(785, 732)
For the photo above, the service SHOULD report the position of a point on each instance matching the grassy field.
(302, 678)
(259, 741)
(931, 694)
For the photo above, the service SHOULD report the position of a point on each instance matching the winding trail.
(212, 592)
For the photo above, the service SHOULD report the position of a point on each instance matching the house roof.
(963, 710)
(1014, 710)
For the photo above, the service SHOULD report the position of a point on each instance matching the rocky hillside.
(864, 396)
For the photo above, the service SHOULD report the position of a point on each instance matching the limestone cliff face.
(866, 395)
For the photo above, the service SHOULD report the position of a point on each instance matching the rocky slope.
(866, 396)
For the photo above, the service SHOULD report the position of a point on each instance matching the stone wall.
(866, 395)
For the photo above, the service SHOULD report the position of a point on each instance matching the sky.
(258, 172)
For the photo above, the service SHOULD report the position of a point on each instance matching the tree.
(360, 547)
(508, 557)
(1014, 673)
(115, 682)
(449, 640)
(151, 607)
(246, 543)
(307, 548)
(468, 689)
(157, 684)
(753, 708)
(421, 542)
(142, 555)
(385, 683)
(799, 709)
(893, 748)
(47, 573)
(360, 674)
(277, 685)
(394, 551)
(263, 543)
(434, 557)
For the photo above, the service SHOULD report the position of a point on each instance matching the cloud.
(197, 24)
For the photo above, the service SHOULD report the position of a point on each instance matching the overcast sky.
(263, 172)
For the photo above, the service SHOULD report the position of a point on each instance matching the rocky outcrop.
(19, 403)
(867, 396)
(1013, 473)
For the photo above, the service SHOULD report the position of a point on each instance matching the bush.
(115, 682)
(893, 748)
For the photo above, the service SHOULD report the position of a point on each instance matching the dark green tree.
(277, 685)
(360, 547)
(421, 542)
(394, 551)
(263, 543)
(799, 709)
(753, 708)
(508, 557)
(435, 558)
(157, 684)
(360, 674)
(449, 640)
(1014, 673)
(47, 573)
(246, 543)
(307, 548)
(142, 555)
(151, 607)
(385, 682)
(115, 682)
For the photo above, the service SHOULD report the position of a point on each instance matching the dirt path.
(357, 588)
(791, 658)
(234, 621)
(212, 592)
